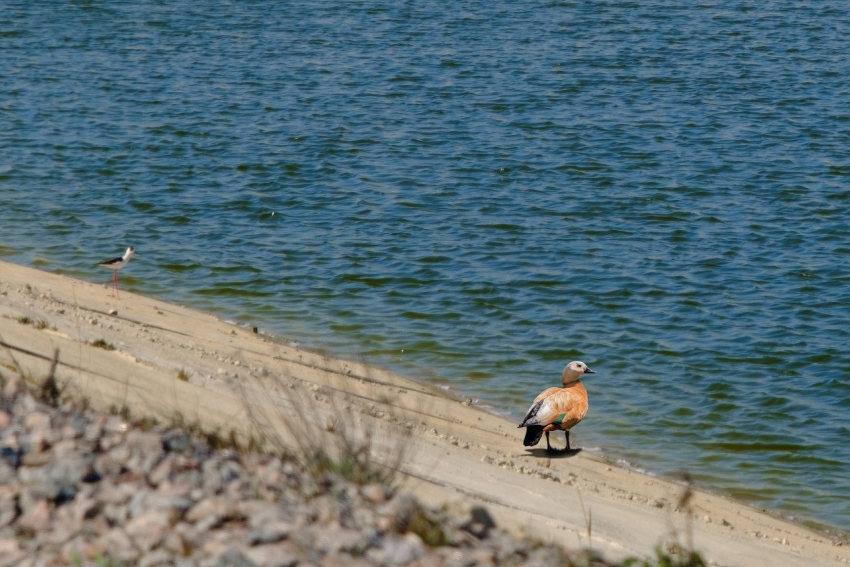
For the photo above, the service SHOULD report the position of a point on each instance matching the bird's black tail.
(533, 433)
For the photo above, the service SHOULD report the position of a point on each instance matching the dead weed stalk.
(48, 389)
(349, 426)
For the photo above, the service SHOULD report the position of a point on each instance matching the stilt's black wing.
(113, 261)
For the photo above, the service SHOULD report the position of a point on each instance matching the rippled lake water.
(477, 193)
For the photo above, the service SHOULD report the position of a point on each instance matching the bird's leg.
(549, 447)
(115, 282)
(554, 450)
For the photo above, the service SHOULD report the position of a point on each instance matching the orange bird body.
(558, 409)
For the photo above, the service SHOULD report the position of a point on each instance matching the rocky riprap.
(78, 487)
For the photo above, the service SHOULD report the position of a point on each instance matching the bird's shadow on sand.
(544, 454)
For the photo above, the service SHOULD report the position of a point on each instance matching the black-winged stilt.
(116, 264)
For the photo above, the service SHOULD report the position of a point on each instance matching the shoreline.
(461, 453)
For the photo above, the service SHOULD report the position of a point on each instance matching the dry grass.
(674, 552)
(588, 521)
(47, 389)
(677, 558)
(344, 428)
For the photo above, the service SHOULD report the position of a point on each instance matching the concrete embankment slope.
(171, 362)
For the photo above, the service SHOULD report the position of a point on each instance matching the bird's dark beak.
(589, 371)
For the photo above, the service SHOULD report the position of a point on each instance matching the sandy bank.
(460, 454)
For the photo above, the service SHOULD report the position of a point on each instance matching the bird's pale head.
(575, 370)
(130, 251)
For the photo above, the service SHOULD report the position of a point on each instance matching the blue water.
(477, 193)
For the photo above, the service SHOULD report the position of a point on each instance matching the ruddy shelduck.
(558, 409)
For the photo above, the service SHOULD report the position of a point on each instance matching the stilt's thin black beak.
(589, 371)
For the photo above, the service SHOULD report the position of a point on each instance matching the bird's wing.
(112, 261)
(532, 417)
(563, 406)
(546, 393)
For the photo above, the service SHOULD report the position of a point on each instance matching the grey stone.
(270, 474)
(334, 539)
(116, 513)
(175, 543)
(8, 504)
(56, 479)
(147, 501)
(547, 556)
(156, 559)
(75, 427)
(216, 506)
(110, 440)
(86, 508)
(275, 555)
(162, 472)
(7, 474)
(37, 421)
(10, 552)
(505, 546)
(479, 523)
(375, 493)
(230, 471)
(94, 429)
(12, 388)
(149, 530)
(270, 533)
(397, 550)
(34, 457)
(111, 493)
(64, 529)
(212, 483)
(210, 522)
(11, 455)
(192, 479)
(176, 441)
(345, 560)
(146, 450)
(37, 518)
(114, 424)
(260, 513)
(234, 558)
(119, 546)
(107, 465)
(65, 449)
(25, 403)
(190, 534)
(400, 511)
(95, 528)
